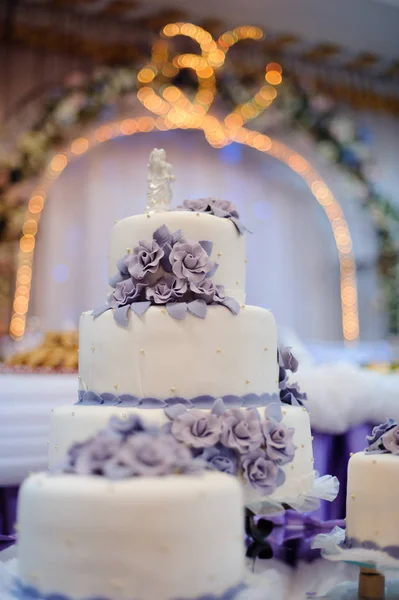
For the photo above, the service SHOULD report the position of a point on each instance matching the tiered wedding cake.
(130, 516)
(176, 345)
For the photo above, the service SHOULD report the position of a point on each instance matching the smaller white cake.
(109, 533)
(372, 518)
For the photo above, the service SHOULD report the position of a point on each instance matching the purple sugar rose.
(89, 458)
(198, 205)
(287, 360)
(166, 289)
(260, 472)
(379, 430)
(125, 292)
(145, 454)
(221, 459)
(241, 430)
(123, 428)
(144, 259)
(292, 395)
(189, 261)
(390, 440)
(197, 428)
(223, 208)
(279, 444)
(208, 291)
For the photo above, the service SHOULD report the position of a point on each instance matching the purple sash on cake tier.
(26, 592)
(89, 398)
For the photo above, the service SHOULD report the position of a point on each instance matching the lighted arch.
(262, 143)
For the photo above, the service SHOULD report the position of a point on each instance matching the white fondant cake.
(173, 338)
(73, 424)
(228, 247)
(371, 513)
(161, 357)
(151, 538)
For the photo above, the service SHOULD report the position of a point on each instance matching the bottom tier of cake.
(153, 538)
(371, 514)
(71, 424)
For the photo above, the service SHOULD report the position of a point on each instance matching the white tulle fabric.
(330, 546)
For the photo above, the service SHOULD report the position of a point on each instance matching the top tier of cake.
(228, 246)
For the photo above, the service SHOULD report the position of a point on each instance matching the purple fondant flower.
(221, 459)
(189, 261)
(260, 472)
(198, 205)
(292, 395)
(287, 360)
(241, 430)
(197, 428)
(145, 454)
(390, 439)
(144, 259)
(166, 289)
(223, 208)
(90, 458)
(123, 428)
(125, 292)
(208, 291)
(379, 430)
(279, 444)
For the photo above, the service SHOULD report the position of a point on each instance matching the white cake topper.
(160, 175)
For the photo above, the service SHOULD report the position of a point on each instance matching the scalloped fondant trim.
(90, 398)
(352, 542)
(26, 592)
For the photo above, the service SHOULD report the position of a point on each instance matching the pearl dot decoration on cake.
(265, 349)
(148, 216)
(302, 445)
(116, 584)
(128, 250)
(353, 496)
(72, 413)
(115, 386)
(284, 412)
(242, 306)
(247, 381)
(237, 282)
(116, 221)
(142, 351)
(173, 389)
(163, 311)
(218, 350)
(92, 347)
(197, 214)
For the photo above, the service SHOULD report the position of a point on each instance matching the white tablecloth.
(25, 406)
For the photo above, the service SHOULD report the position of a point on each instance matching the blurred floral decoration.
(177, 82)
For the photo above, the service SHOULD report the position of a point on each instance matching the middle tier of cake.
(70, 424)
(159, 357)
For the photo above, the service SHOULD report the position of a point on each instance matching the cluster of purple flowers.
(289, 392)
(216, 207)
(237, 441)
(127, 448)
(167, 270)
(384, 438)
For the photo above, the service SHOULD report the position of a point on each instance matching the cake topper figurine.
(160, 175)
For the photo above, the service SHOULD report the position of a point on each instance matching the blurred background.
(289, 109)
